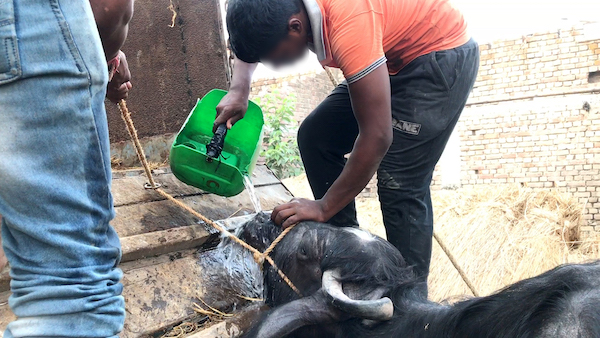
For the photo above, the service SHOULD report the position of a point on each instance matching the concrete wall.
(171, 66)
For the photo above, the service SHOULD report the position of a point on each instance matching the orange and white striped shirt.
(358, 36)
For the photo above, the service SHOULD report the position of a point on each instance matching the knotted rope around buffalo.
(258, 256)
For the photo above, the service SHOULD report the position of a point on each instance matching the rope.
(461, 272)
(278, 239)
(330, 75)
(136, 141)
(207, 221)
(259, 257)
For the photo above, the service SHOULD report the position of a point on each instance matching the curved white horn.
(379, 309)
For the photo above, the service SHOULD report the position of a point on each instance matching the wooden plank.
(232, 327)
(128, 187)
(151, 244)
(160, 292)
(219, 330)
(136, 219)
(130, 190)
(162, 242)
(263, 176)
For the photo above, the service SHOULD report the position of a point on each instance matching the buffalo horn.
(378, 309)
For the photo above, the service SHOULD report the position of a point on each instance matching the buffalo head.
(341, 272)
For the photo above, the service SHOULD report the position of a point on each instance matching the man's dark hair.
(257, 26)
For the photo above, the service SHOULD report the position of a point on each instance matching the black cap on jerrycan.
(215, 146)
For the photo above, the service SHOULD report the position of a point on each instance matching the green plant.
(280, 149)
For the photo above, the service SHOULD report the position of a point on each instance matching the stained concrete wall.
(171, 66)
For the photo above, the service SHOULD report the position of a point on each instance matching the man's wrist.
(240, 90)
(326, 208)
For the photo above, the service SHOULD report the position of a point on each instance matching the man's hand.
(231, 109)
(119, 85)
(233, 106)
(299, 209)
(112, 18)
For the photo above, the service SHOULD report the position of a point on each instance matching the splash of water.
(253, 197)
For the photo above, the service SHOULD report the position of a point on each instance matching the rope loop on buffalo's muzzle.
(259, 257)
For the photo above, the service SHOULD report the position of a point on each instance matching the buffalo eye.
(302, 253)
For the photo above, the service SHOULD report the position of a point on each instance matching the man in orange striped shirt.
(409, 67)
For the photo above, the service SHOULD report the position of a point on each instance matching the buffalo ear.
(294, 315)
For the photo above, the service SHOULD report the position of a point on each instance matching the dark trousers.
(428, 96)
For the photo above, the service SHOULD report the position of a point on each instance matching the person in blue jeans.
(55, 174)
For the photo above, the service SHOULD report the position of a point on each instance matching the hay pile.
(502, 234)
(498, 234)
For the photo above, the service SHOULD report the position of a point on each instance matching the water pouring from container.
(253, 197)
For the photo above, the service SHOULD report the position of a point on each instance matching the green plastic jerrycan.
(224, 175)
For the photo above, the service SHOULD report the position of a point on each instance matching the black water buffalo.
(357, 285)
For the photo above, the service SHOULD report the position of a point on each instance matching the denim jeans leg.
(55, 199)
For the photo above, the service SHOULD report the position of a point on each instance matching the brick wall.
(534, 117)
(537, 64)
(309, 88)
(550, 142)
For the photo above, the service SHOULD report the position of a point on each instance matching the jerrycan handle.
(215, 146)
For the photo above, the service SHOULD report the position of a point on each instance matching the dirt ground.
(497, 235)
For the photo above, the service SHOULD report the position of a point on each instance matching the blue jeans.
(55, 172)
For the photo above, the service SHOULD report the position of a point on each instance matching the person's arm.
(112, 19)
(372, 108)
(233, 106)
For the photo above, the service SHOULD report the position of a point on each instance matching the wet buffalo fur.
(563, 302)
